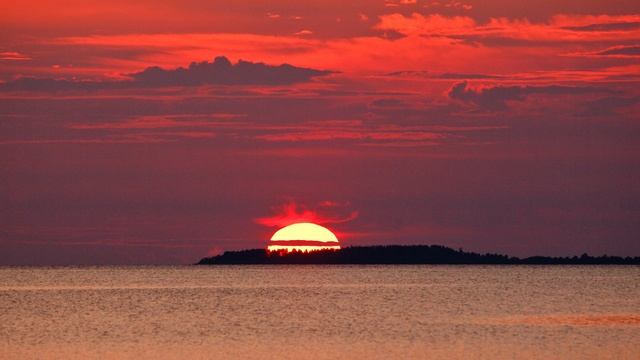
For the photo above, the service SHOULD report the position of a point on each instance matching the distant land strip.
(402, 254)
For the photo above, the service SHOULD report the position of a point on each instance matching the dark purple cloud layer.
(496, 97)
(222, 72)
(615, 26)
(219, 72)
(623, 50)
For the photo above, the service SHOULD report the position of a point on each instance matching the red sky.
(499, 126)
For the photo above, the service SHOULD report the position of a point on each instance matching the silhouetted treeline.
(397, 254)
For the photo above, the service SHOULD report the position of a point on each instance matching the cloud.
(13, 55)
(418, 24)
(233, 130)
(222, 72)
(389, 103)
(219, 72)
(615, 26)
(631, 51)
(356, 132)
(445, 76)
(620, 52)
(448, 4)
(45, 84)
(304, 32)
(609, 105)
(160, 122)
(496, 97)
(559, 30)
(385, 44)
(461, 76)
(326, 212)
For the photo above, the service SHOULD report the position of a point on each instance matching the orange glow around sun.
(303, 237)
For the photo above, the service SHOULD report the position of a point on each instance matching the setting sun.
(303, 237)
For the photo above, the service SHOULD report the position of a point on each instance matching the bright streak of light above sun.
(303, 237)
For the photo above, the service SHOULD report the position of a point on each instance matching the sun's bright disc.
(303, 237)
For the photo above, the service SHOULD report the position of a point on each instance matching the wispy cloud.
(325, 212)
(13, 55)
(511, 32)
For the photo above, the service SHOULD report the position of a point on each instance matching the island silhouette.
(402, 254)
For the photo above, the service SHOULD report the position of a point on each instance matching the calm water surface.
(281, 312)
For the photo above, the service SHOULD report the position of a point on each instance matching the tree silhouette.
(397, 254)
